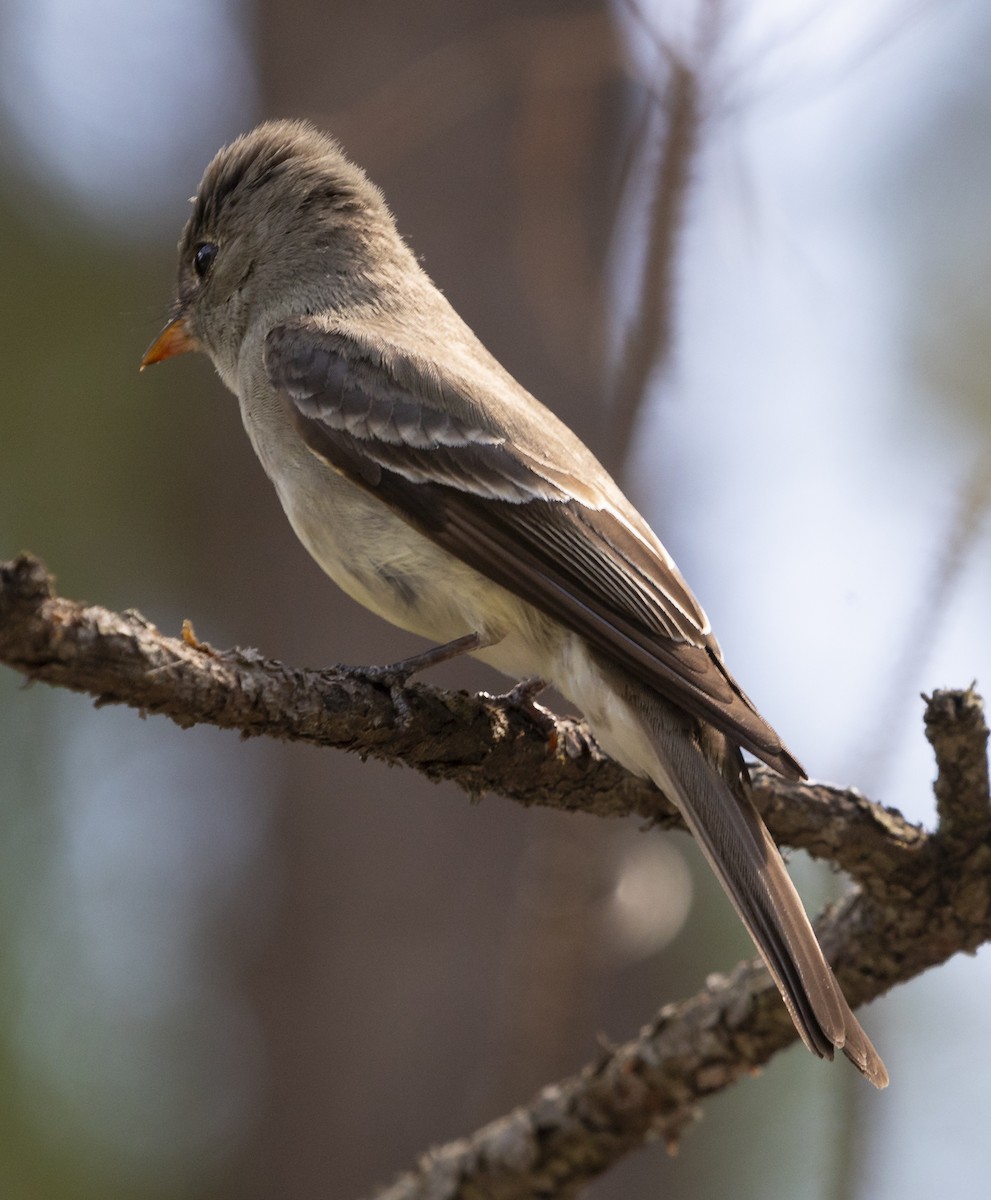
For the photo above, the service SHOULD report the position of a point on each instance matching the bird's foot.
(396, 675)
(523, 698)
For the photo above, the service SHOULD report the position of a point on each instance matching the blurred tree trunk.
(494, 132)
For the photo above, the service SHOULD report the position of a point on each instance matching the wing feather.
(527, 527)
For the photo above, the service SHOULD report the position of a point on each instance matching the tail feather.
(747, 863)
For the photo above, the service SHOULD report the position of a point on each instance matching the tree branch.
(923, 896)
(482, 743)
(935, 902)
(651, 1088)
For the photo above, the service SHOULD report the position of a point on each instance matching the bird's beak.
(174, 339)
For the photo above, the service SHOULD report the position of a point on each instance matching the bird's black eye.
(203, 257)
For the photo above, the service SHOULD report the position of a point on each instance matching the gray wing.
(382, 419)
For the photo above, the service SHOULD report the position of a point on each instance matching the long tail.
(747, 863)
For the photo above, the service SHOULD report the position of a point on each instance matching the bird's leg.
(397, 674)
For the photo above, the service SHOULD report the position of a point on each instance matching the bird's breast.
(382, 561)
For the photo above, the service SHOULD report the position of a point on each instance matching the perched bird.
(434, 489)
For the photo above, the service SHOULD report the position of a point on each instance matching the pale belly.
(399, 574)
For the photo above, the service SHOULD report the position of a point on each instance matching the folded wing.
(532, 526)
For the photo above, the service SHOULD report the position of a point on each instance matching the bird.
(434, 489)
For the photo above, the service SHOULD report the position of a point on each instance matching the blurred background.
(748, 238)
